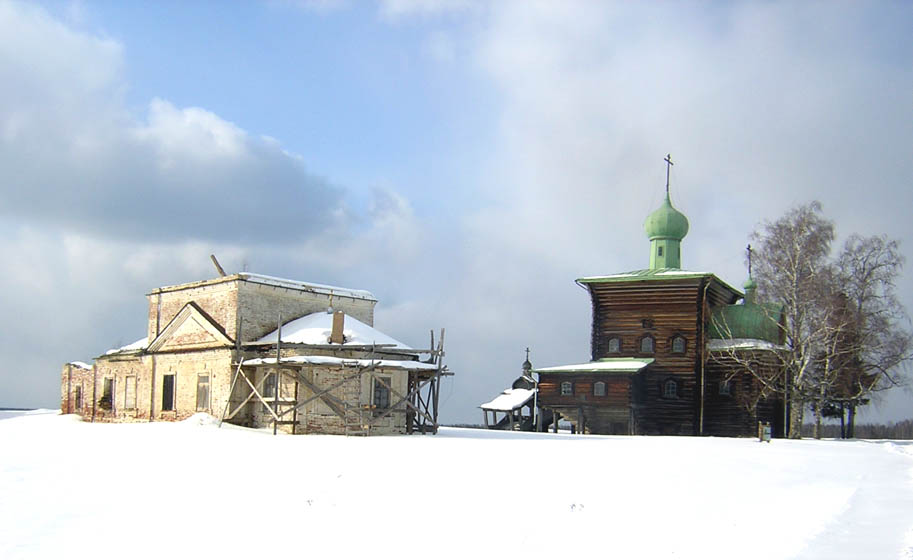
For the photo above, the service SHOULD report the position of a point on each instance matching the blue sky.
(464, 161)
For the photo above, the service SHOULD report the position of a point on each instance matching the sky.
(464, 161)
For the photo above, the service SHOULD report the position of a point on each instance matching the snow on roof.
(80, 365)
(308, 286)
(742, 344)
(348, 362)
(609, 365)
(316, 327)
(138, 345)
(509, 400)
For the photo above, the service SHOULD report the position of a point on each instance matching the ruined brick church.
(264, 352)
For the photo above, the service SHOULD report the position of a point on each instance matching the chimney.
(339, 319)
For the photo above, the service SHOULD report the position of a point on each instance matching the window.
(567, 388)
(106, 402)
(614, 345)
(670, 389)
(78, 397)
(381, 392)
(130, 391)
(599, 389)
(678, 345)
(647, 345)
(725, 387)
(168, 392)
(659, 251)
(203, 392)
(269, 385)
(647, 323)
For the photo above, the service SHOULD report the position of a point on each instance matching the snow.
(510, 399)
(138, 345)
(69, 489)
(742, 344)
(348, 362)
(308, 286)
(316, 327)
(80, 365)
(626, 365)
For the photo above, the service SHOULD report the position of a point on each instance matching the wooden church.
(674, 352)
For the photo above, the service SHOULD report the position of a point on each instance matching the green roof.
(653, 275)
(746, 321)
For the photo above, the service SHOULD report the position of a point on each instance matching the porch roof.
(509, 399)
(605, 365)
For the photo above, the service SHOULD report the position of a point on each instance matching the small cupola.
(666, 227)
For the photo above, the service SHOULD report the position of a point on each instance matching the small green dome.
(666, 223)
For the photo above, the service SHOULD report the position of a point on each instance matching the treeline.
(897, 430)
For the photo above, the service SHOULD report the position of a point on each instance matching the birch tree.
(792, 268)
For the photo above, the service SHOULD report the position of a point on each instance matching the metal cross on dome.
(669, 164)
(749, 250)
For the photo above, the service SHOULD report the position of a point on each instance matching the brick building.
(213, 346)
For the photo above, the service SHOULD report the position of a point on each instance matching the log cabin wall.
(737, 411)
(601, 414)
(661, 309)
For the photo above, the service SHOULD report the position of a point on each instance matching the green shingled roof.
(653, 275)
(748, 320)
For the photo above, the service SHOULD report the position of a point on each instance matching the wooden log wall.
(738, 413)
(663, 310)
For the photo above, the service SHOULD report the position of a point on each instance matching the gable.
(191, 329)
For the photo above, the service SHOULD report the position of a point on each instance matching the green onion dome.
(666, 223)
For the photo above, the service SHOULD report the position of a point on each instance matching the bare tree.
(873, 341)
(792, 269)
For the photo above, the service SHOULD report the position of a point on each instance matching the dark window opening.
(670, 389)
(725, 388)
(647, 323)
(678, 345)
(168, 392)
(106, 402)
(202, 392)
(567, 388)
(614, 345)
(78, 397)
(270, 385)
(381, 393)
(659, 251)
(647, 345)
(599, 389)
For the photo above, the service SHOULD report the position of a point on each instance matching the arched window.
(599, 389)
(670, 389)
(614, 345)
(647, 345)
(678, 344)
(567, 388)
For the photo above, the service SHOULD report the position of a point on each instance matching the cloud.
(68, 140)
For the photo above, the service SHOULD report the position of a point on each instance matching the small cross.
(748, 249)
(527, 354)
(669, 165)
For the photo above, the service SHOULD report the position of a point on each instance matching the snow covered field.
(80, 490)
